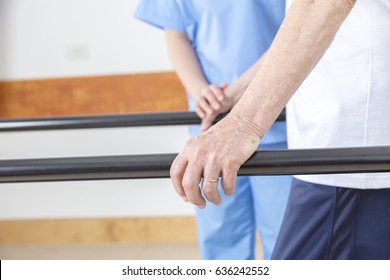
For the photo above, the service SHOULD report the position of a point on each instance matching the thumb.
(207, 122)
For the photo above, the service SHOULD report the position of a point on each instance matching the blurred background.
(88, 57)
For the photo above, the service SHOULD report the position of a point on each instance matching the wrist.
(246, 125)
(196, 90)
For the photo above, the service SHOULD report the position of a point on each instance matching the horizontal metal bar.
(105, 121)
(281, 162)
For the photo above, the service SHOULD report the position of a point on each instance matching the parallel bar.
(105, 121)
(282, 162)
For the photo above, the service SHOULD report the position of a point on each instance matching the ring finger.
(210, 185)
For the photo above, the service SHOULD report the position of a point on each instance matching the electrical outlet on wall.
(77, 52)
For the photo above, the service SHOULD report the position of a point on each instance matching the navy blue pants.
(326, 222)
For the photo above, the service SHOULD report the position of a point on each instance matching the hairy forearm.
(303, 38)
(185, 62)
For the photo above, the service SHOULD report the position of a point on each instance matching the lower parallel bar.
(279, 162)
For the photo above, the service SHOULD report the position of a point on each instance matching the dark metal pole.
(105, 121)
(282, 162)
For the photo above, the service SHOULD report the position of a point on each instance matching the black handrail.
(281, 162)
(105, 121)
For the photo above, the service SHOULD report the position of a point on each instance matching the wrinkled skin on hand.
(217, 152)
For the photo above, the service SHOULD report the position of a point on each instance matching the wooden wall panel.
(94, 231)
(154, 92)
(133, 93)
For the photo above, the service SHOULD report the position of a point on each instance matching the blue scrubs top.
(228, 36)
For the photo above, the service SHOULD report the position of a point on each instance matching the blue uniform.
(229, 36)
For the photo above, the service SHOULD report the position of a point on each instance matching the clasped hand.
(211, 102)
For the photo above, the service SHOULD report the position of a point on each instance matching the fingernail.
(184, 198)
(202, 206)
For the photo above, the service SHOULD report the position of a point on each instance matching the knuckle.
(199, 154)
(213, 87)
(206, 92)
(202, 102)
(190, 143)
(187, 185)
(231, 164)
(228, 189)
(208, 191)
(174, 172)
(213, 159)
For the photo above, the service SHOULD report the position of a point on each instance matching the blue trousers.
(326, 222)
(228, 231)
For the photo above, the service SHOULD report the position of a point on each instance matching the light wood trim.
(94, 231)
(133, 93)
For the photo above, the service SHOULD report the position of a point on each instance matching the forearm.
(185, 62)
(239, 86)
(303, 38)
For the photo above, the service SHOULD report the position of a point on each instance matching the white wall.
(57, 38)
(62, 38)
(90, 199)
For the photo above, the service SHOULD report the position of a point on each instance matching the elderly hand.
(218, 152)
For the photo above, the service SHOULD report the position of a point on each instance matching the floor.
(100, 251)
(103, 252)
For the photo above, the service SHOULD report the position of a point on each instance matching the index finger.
(217, 92)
